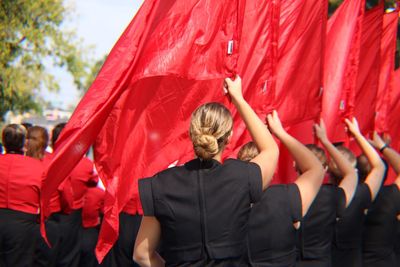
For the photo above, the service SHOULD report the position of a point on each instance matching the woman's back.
(380, 228)
(272, 234)
(203, 208)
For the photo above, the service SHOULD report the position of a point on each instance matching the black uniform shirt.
(272, 236)
(381, 227)
(203, 209)
(317, 228)
(349, 228)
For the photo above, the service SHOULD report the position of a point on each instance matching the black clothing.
(70, 228)
(380, 229)
(272, 236)
(87, 256)
(397, 245)
(347, 242)
(317, 228)
(17, 238)
(123, 248)
(46, 256)
(203, 209)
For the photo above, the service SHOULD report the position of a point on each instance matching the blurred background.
(51, 51)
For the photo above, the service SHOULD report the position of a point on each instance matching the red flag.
(388, 50)
(363, 103)
(299, 73)
(256, 63)
(171, 59)
(341, 64)
(300, 63)
(393, 119)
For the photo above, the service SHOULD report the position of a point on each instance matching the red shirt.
(82, 177)
(92, 207)
(20, 181)
(133, 207)
(62, 199)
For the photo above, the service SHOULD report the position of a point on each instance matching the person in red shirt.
(20, 180)
(45, 256)
(70, 221)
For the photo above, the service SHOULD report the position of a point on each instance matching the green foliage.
(31, 34)
(94, 70)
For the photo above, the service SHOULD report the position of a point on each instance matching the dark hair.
(56, 133)
(319, 153)
(37, 141)
(13, 138)
(27, 125)
(364, 168)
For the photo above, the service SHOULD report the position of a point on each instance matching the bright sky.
(99, 23)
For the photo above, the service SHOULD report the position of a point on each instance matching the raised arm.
(374, 178)
(267, 159)
(391, 155)
(147, 240)
(349, 175)
(312, 172)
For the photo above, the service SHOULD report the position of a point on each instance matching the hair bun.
(205, 146)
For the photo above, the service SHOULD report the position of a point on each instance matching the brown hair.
(363, 167)
(319, 153)
(13, 138)
(348, 154)
(56, 133)
(248, 151)
(210, 127)
(37, 141)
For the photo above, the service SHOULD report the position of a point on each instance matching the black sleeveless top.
(272, 236)
(347, 242)
(397, 245)
(317, 229)
(203, 209)
(381, 227)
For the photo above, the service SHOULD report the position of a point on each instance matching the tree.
(31, 34)
(94, 70)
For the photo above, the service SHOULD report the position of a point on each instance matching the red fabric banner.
(393, 119)
(388, 50)
(341, 65)
(300, 62)
(363, 103)
(299, 73)
(172, 58)
(256, 64)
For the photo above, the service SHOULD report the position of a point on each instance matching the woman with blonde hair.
(198, 212)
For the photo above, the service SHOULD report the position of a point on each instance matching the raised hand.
(234, 88)
(320, 131)
(275, 124)
(352, 126)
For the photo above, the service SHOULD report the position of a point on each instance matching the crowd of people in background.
(76, 207)
(209, 213)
